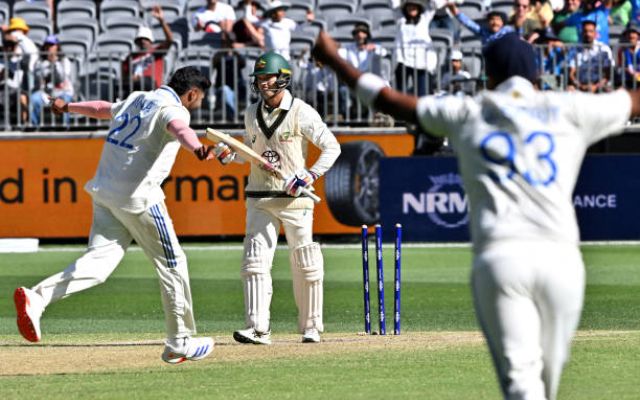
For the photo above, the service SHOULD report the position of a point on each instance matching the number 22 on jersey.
(499, 148)
(121, 135)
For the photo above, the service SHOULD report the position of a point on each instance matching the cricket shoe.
(29, 308)
(252, 336)
(311, 335)
(192, 349)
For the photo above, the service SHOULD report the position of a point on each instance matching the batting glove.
(202, 152)
(294, 184)
(224, 154)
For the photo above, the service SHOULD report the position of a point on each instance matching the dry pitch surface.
(73, 355)
(100, 355)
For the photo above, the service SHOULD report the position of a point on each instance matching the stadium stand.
(69, 10)
(29, 11)
(473, 9)
(114, 9)
(345, 25)
(84, 28)
(124, 26)
(298, 10)
(39, 28)
(5, 12)
(172, 9)
(98, 34)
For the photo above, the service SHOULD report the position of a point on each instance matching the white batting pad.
(307, 268)
(258, 288)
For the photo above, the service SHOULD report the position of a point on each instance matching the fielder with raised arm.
(279, 127)
(145, 135)
(519, 152)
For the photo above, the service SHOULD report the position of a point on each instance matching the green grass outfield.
(439, 355)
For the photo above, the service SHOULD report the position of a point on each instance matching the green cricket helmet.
(272, 63)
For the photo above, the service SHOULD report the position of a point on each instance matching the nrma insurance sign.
(443, 202)
(425, 195)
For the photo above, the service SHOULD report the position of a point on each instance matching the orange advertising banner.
(42, 195)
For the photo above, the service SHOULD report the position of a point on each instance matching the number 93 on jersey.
(531, 158)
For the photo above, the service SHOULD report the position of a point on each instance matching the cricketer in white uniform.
(519, 152)
(279, 127)
(145, 135)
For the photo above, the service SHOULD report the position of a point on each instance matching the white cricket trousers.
(112, 232)
(528, 299)
(264, 219)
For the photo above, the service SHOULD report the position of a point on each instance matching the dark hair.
(498, 14)
(509, 56)
(186, 78)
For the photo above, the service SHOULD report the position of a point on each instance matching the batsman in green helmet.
(271, 75)
(280, 127)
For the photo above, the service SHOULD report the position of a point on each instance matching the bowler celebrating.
(145, 135)
(519, 152)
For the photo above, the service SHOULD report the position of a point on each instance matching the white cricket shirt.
(287, 147)
(277, 36)
(139, 151)
(519, 153)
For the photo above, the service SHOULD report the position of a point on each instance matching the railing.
(111, 76)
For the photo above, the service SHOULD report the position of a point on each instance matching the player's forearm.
(398, 105)
(94, 109)
(185, 135)
(344, 70)
(168, 35)
(330, 152)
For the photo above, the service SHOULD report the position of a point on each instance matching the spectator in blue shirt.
(629, 57)
(592, 10)
(551, 59)
(495, 28)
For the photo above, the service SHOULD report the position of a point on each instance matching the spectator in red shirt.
(144, 69)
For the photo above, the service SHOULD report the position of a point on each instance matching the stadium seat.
(442, 36)
(172, 10)
(28, 10)
(390, 24)
(473, 60)
(204, 40)
(313, 27)
(385, 38)
(332, 10)
(615, 34)
(74, 45)
(470, 41)
(114, 9)
(367, 4)
(82, 27)
(39, 28)
(100, 85)
(298, 10)
(346, 24)
(124, 26)
(505, 6)
(71, 9)
(340, 37)
(115, 46)
(5, 13)
(302, 43)
(473, 9)
(193, 6)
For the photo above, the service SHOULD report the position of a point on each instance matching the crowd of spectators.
(588, 45)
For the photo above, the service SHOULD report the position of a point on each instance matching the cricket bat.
(248, 154)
